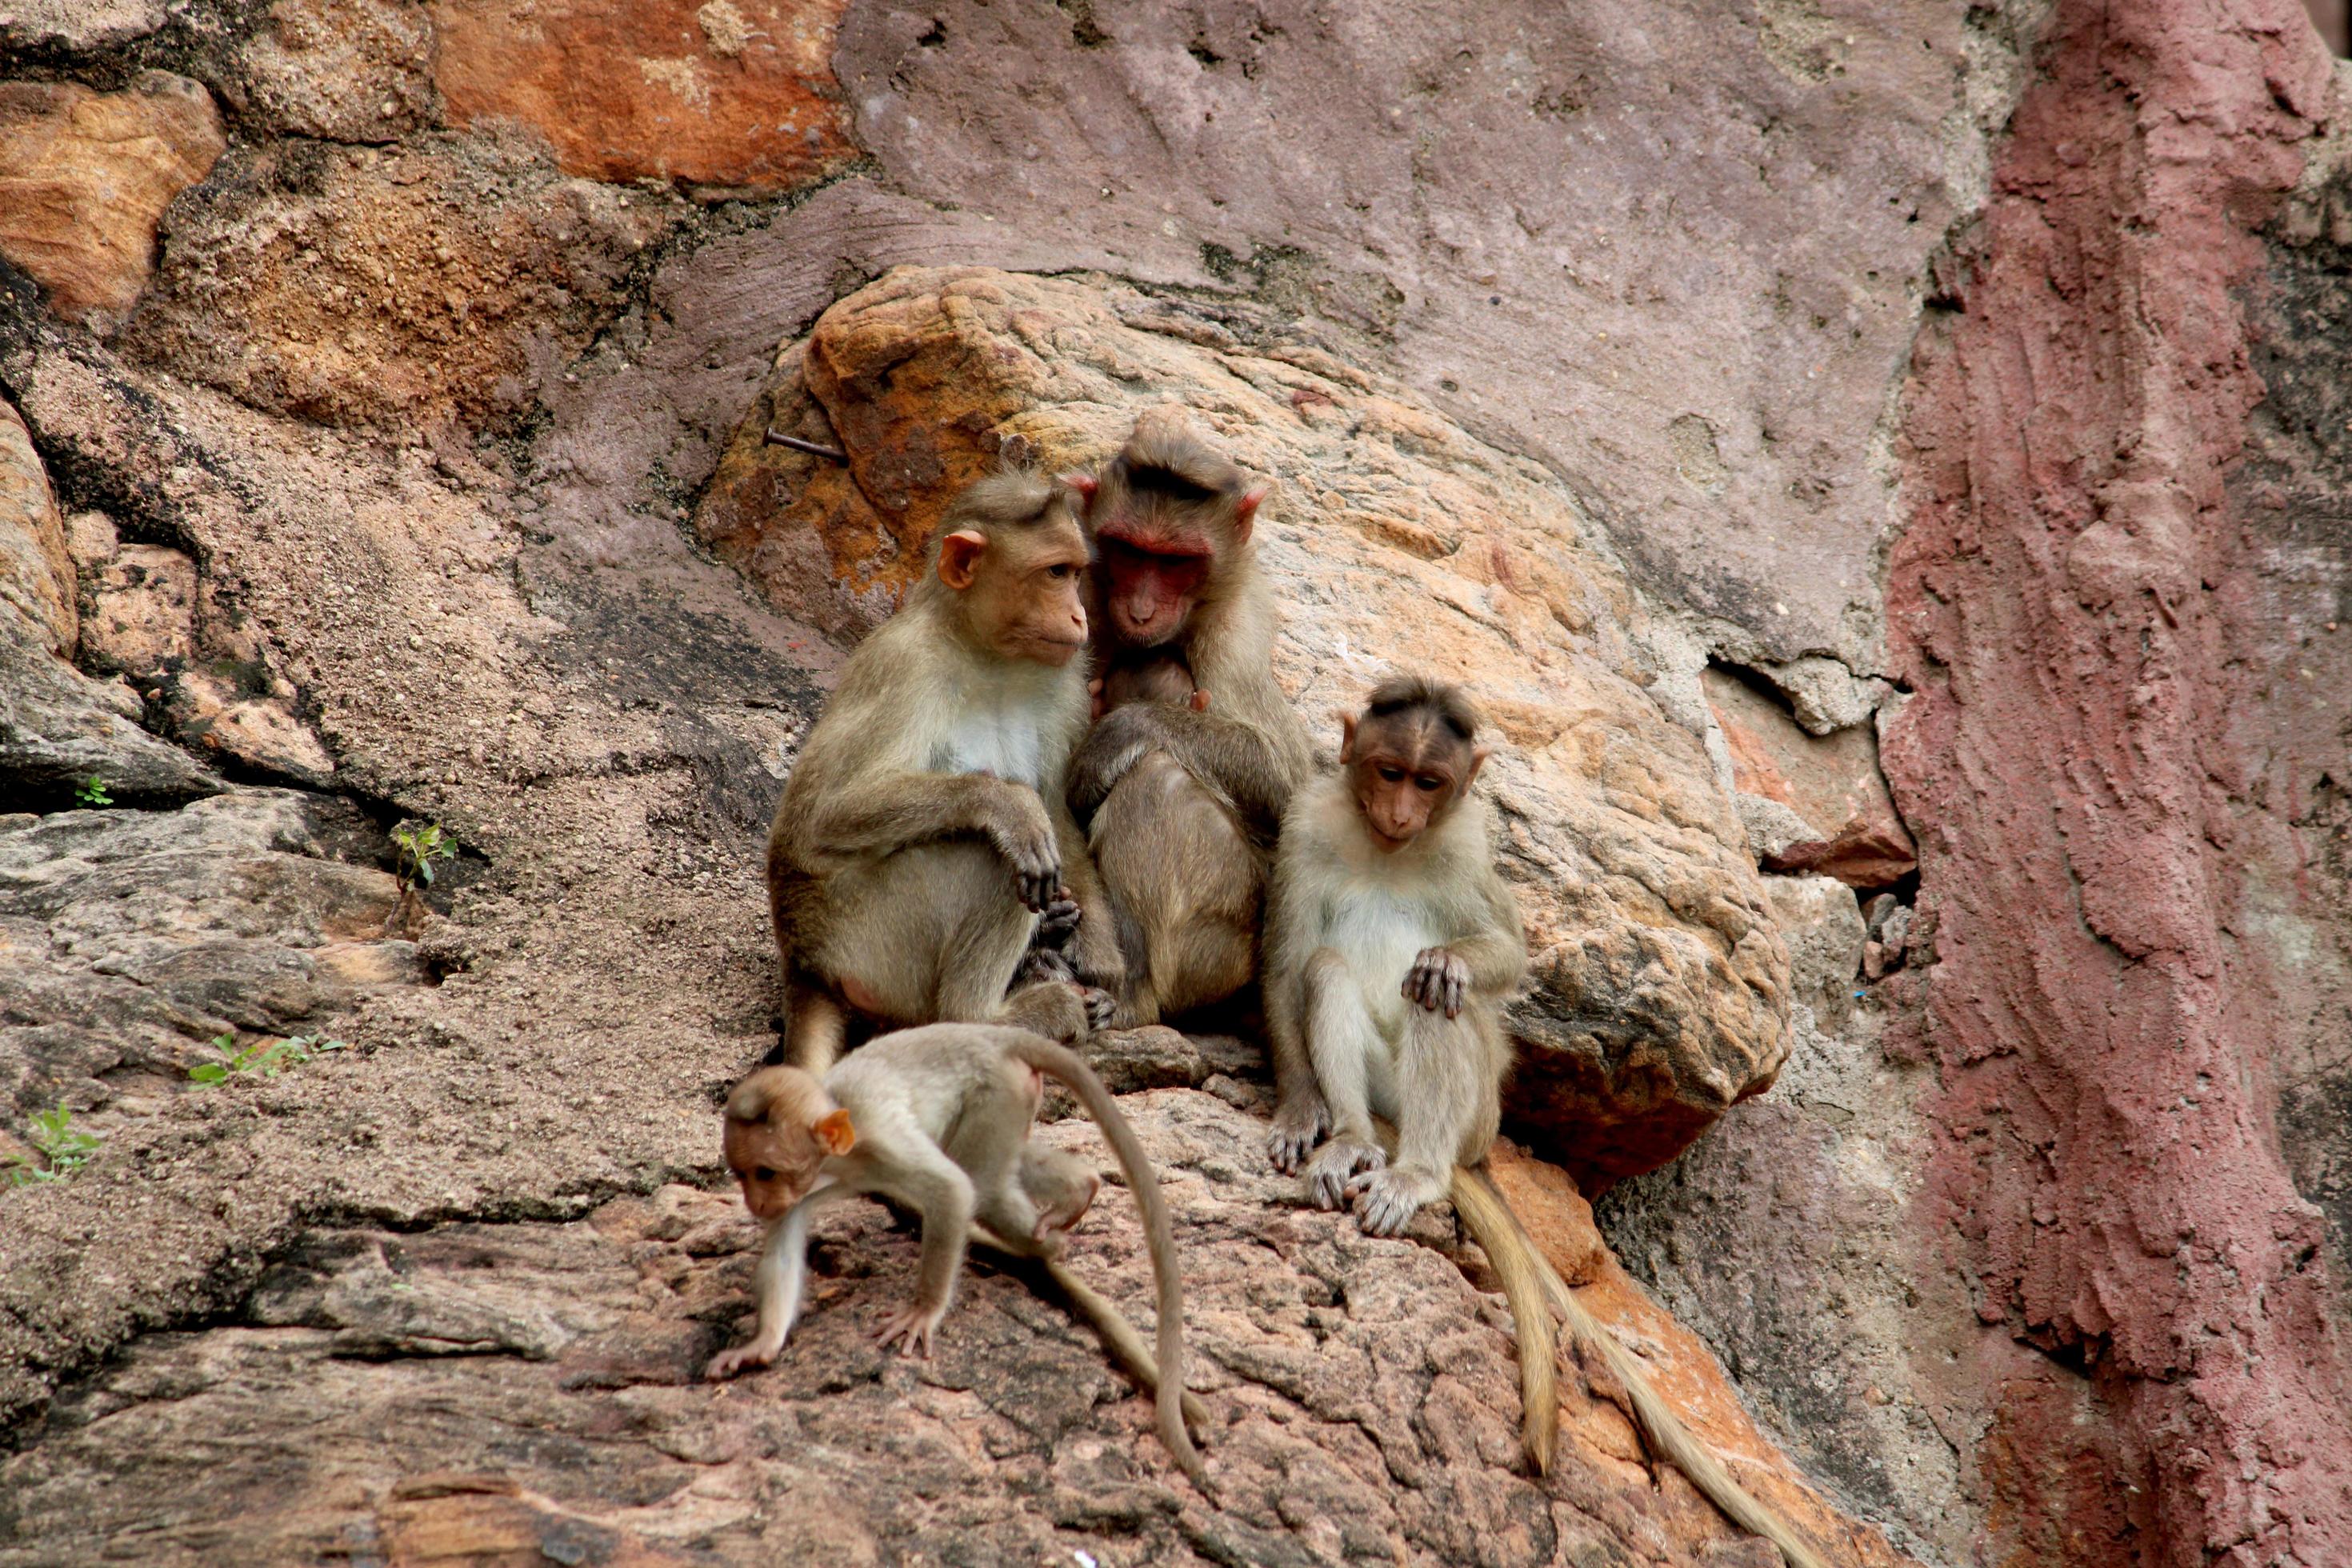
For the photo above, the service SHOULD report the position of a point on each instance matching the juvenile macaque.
(1391, 944)
(1164, 679)
(1176, 578)
(924, 828)
(939, 1119)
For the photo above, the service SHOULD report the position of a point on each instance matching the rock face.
(1824, 806)
(84, 176)
(1396, 540)
(2105, 817)
(1362, 1393)
(737, 95)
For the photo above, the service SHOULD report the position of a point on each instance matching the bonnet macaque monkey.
(1176, 577)
(939, 1118)
(924, 828)
(1391, 945)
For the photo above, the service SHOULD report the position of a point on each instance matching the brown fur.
(924, 825)
(1204, 813)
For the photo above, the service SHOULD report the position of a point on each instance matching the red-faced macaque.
(1176, 577)
(939, 1119)
(925, 826)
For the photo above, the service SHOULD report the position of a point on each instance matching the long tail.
(1144, 1182)
(1493, 1229)
(1110, 1324)
(1661, 1427)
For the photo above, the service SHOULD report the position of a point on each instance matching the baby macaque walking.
(939, 1118)
(1392, 942)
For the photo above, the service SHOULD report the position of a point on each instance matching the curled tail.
(1066, 1065)
(1507, 1248)
(1661, 1429)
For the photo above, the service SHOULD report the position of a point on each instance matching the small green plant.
(93, 792)
(66, 1147)
(263, 1059)
(420, 843)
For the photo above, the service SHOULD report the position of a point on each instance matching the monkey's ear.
(958, 553)
(1346, 738)
(1085, 484)
(1246, 510)
(833, 1132)
(1479, 756)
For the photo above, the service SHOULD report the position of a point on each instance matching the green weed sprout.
(420, 845)
(263, 1059)
(66, 1147)
(93, 792)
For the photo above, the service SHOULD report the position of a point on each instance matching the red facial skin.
(1023, 598)
(1151, 575)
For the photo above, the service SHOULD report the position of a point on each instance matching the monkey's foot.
(1387, 1200)
(1100, 1004)
(727, 1363)
(912, 1328)
(1335, 1166)
(1301, 1120)
(1059, 921)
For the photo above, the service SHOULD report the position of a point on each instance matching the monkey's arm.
(889, 811)
(1093, 948)
(1234, 756)
(1496, 955)
(1300, 1116)
(778, 1285)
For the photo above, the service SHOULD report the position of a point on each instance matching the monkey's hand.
(1437, 979)
(1387, 1200)
(1100, 1004)
(1298, 1123)
(1059, 921)
(1115, 745)
(1023, 835)
(727, 1363)
(912, 1327)
(1335, 1165)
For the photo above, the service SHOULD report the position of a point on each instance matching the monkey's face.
(1405, 774)
(1151, 587)
(1024, 592)
(778, 1159)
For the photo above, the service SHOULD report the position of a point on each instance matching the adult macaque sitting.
(924, 828)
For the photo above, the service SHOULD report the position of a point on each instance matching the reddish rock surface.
(85, 175)
(2076, 761)
(1847, 825)
(735, 94)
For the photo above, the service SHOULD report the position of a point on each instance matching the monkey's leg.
(1343, 1040)
(814, 1024)
(944, 1195)
(1447, 1102)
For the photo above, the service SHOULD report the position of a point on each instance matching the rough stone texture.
(127, 939)
(440, 282)
(85, 175)
(77, 23)
(530, 1388)
(2107, 821)
(1396, 540)
(737, 95)
(342, 71)
(1674, 252)
(1846, 822)
(1782, 1238)
(59, 728)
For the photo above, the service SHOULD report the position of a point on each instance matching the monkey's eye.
(1060, 571)
(1430, 786)
(763, 1174)
(1390, 776)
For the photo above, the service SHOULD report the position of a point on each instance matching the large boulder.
(1659, 996)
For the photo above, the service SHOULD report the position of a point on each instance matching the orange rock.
(37, 575)
(84, 179)
(737, 94)
(1556, 1216)
(1831, 782)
